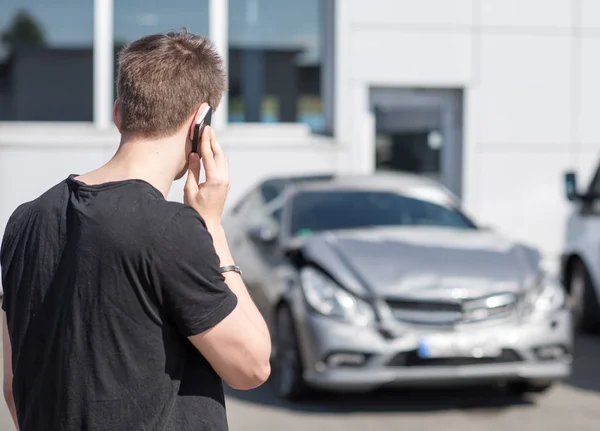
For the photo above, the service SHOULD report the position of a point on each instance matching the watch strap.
(229, 268)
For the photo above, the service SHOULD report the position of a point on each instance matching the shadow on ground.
(482, 399)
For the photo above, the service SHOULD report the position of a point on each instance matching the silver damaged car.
(379, 281)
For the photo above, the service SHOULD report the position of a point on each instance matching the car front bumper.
(395, 361)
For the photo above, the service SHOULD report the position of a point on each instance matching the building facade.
(495, 98)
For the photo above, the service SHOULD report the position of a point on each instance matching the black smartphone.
(203, 121)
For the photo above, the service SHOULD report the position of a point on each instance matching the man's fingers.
(215, 146)
(193, 178)
(220, 157)
(213, 159)
(208, 158)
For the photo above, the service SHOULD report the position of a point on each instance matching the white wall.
(529, 69)
(530, 72)
(525, 131)
(33, 157)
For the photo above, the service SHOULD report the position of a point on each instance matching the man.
(124, 311)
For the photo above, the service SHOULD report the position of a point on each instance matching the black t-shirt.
(102, 285)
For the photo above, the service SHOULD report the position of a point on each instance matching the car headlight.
(547, 296)
(328, 298)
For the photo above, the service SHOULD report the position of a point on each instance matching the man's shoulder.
(46, 203)
(11, 230)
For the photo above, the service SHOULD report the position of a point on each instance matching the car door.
(583, 230)
(239, 224)
(276, 263)
(269, 256)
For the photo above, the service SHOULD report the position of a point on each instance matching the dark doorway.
(420, 131)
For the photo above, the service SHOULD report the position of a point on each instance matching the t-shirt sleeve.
(7, 252)
(193, 290)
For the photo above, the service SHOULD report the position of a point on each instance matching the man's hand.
(209, 197)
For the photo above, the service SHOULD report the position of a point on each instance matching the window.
(280, 58)
(270, 189)
(314, 211)
(275, 61)
(137, 18)
(46, 60)
(594, 187)
(420, 130)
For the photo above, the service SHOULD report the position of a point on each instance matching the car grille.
(412, 359)
(453, 312)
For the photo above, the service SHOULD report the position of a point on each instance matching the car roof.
(288, 180)
(402, 183)
(377, 178)
(387, 181)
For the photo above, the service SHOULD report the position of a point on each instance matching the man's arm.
(212, 309)
(235, 283)
(8, 373)
(239, 347)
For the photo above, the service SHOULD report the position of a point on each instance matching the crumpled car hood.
(423, 262)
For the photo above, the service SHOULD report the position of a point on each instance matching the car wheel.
(583, 298)
(524, 387)
(286, 368)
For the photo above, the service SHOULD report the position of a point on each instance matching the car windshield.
(314, 211)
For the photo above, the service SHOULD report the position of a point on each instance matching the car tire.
(524, 387)
(287, 379)
(583, 298)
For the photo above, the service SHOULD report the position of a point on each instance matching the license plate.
(458, 346)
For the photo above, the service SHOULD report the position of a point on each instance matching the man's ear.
(116, 118)
(195, 119)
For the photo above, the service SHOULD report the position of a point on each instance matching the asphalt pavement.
(572, 405)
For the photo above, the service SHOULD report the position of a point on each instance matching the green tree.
(23, 30)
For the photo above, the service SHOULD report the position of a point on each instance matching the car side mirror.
(571, 186)
(263, 233)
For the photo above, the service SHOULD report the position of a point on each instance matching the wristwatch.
(230, 268)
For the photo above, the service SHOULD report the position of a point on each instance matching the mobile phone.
(203, 121)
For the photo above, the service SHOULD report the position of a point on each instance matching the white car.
(580, 263)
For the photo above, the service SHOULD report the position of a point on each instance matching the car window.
(594, 187)
(270, 190)
(331, 210)
(274, 187)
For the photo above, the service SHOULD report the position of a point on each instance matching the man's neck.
(152, 161)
